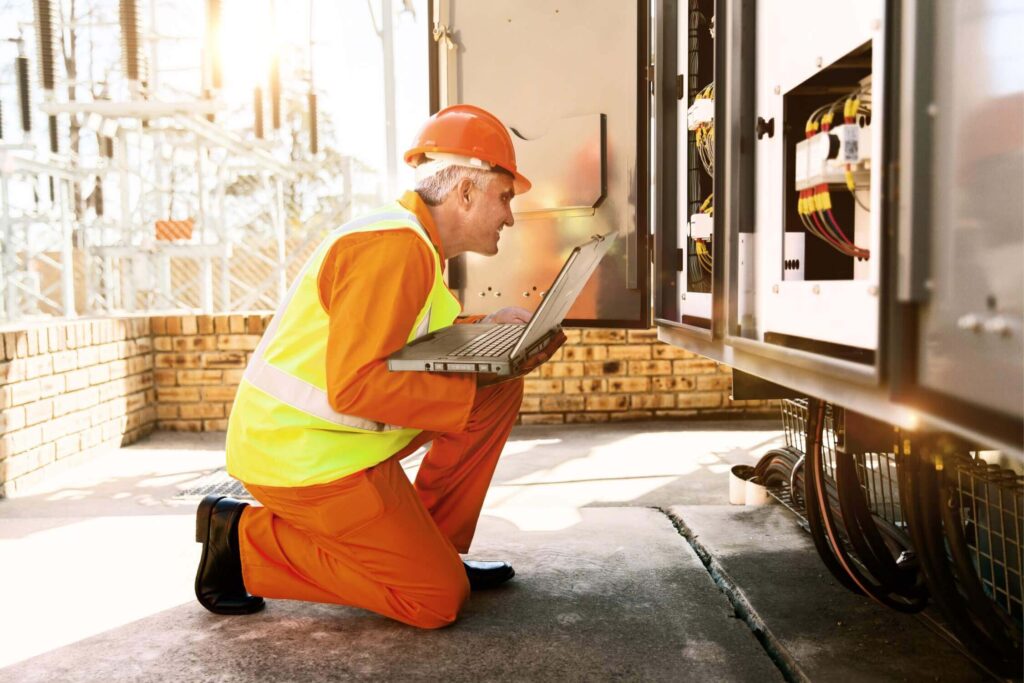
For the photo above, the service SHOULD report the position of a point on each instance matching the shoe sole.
(204, 518)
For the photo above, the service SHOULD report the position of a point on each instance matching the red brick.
(668, 352)
(530, 404)
(698, 400)
(238, 342)
(586, 386)
(195, 343)
(642, 336)
(224, 359)
(584, 418)
(714, 383)
(222, 325)
(189, 325)
(628, 384)
(220, 394)
(177, 394)
(604, 336)
(542, 386)
(630, 352)
(605, 368)
(631, 415)
(650, 367)
(607, 402)
(203, 377)
(561, 404)
(693, 367)
(542, 419)
(649, 401)
(201, 410)
(584, 352)
(672, 383)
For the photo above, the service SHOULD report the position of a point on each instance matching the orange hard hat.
(468, 131)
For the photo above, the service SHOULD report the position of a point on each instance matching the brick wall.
(198, 364)
(69, 389)
(598, 376)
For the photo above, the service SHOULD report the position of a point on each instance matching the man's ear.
(465, 190)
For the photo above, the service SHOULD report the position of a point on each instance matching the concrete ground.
(630, 565)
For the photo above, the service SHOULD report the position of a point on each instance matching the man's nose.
(510, 219)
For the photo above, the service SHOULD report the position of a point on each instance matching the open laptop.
(502, 348)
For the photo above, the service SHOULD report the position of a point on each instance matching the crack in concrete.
(776, 651)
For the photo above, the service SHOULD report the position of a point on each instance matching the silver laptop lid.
(563, 291)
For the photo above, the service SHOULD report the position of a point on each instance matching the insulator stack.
(208, 95)
(314, 142)
(46, 35)
(257, 104)
(54, 135)
(275, 93)
(130, 44)
(213, 42)
(24, 96)
(97, 197)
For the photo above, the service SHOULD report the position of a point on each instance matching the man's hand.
(531, 363)
(511, 314)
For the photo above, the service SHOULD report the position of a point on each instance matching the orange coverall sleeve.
(372, 286)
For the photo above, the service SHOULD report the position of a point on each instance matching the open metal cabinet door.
(571, 82)
(958, 317)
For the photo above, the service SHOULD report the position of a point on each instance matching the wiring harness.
(814, 205)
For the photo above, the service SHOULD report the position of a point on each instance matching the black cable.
(815, 428)
(918, 486)
(872, 551)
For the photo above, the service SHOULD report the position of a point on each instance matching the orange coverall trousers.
(372, 539)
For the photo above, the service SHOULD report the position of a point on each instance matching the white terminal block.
(822, 159)
(700, 113)
(701, 226)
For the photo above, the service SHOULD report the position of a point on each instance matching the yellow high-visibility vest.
(282, 430)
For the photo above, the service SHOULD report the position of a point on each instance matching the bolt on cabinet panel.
(567, 80)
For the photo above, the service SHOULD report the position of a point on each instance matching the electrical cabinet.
(863, 237)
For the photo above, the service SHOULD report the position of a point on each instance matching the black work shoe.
(487, 574)
(219, 586)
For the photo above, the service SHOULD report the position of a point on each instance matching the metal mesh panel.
(992, 503)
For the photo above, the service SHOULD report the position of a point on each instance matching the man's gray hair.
(433, 189)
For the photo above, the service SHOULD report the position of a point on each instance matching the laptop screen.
(569, 282)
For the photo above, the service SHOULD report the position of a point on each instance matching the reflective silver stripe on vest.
(297, 392)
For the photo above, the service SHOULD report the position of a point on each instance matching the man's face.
(489, 213)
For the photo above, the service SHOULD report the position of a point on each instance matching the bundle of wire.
(703, 255)
(815, 204)
(705, 133)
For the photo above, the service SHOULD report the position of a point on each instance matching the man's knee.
(444, 604)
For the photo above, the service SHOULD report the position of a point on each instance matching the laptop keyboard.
(494, 343)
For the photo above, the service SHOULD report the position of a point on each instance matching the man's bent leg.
(364, 540)
(455, 475)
